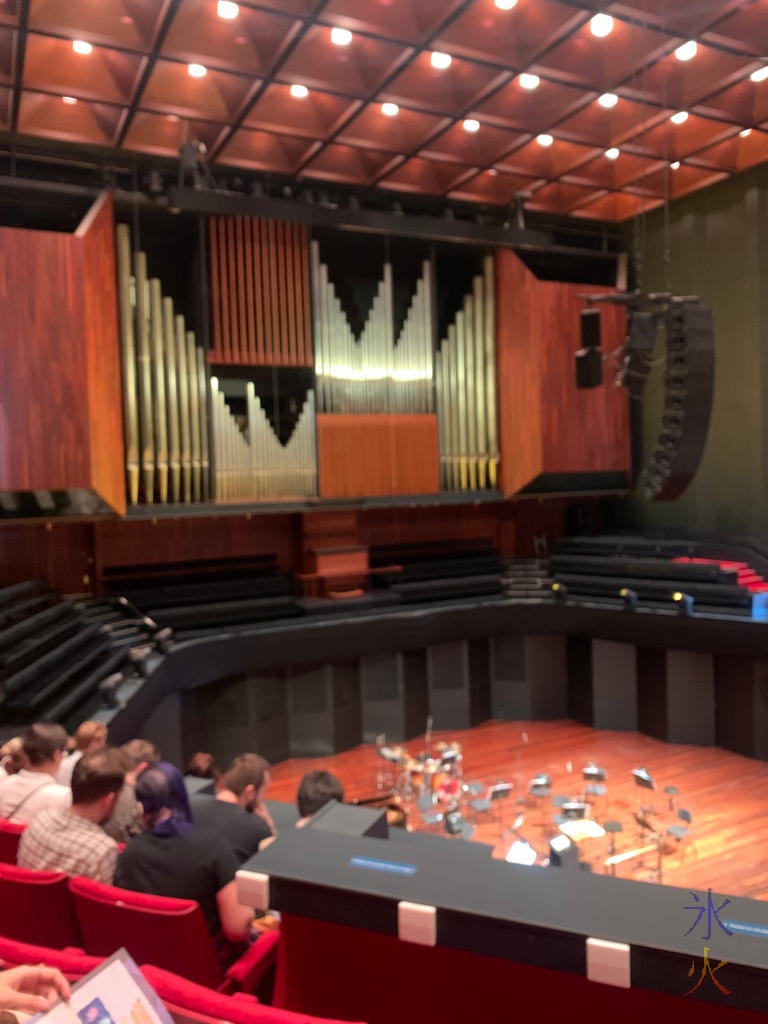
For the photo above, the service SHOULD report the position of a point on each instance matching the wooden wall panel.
(105, 419)
(440, 523)
(61, 552)
(259, 292)
(368, 456)
(547, 424)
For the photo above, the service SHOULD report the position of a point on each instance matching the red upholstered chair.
(35, 906)
(192, 1002)
(10, 833)
(73, 963)
(167, 933)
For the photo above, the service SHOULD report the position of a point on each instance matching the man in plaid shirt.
(72, 840)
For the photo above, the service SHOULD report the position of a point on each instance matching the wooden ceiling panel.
(357, 69)
(683, 17)
(615, 206)
(682, 84)
(106, 75)
(429, 176)
(559, 197)
(348, 164)
(163, 134)
(401, 134)
(408, 20)
(548, 161)
(482, 147)
(531, 110)
(736, 153)
(746, 28)
(596, 125)
(126, 23)
(263, 151)
(613, 174)
(677, 141)
(744, 104)
(53, 118)
(451, 91)
(215, 97)
(492, 186)
(316, 115)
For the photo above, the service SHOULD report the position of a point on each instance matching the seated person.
(202, 766)
(146, 755)
(12, 758)
(315, 790)
(125, 821)
(237, 812)
(71, 840)
(173, 858)
(90, 736)
(34, 788)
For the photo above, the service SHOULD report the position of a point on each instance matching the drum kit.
(435, 773)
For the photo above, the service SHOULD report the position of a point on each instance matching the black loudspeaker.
(590, 328)
(639, 353)
(688, 393)
(589, 368)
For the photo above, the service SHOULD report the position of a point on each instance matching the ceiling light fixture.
(505, 5)
(80, 46)
(545, 140)
(471, 125)
(341, 36)
(390, 109)
(227, 10)
(687, 51)
(613, 153)
(608, 100)
(601, 25)
(680, 117)
(441, 61)
(675, 166)
(299, 92)
(745, 133)
(492, 171)
(70, 100)
(196, 71)
(760, 75)
(529, 82)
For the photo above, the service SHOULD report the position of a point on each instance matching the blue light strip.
(391, 866)
(759, 931)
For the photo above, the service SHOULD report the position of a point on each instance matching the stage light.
(629, 597)
(341, 36)
(680, 117)
(760, 75)
(608, 100)
(80, 46)
(545, 140)
(390, 109)
(227, 10)
(745, 134)
(196, 70)
(560, 591)
(505, 5)
(299, 92)
(613, 153)
(675, 165)
(687, 51)
(601, 25)
(69, 100)
(529, 82)
(471, 125)
(441, 61)
(521, 853)
(684, 602)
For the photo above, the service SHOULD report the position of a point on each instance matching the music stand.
(500, 792)
(644, 780)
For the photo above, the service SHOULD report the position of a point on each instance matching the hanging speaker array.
(164, 390)
(465, 373)
(375, 373)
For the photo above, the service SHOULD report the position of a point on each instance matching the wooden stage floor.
(725, 793)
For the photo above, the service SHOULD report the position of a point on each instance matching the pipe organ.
(164, 390)
(377, 373)
(465, 376)
(250, 462)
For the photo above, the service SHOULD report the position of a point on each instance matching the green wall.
(719, 250)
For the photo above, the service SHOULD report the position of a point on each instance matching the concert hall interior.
(383, 431)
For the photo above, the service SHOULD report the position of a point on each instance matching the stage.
(724, 793)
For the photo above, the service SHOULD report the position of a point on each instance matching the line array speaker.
(640, 346)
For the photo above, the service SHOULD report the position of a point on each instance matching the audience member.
(315, 790)
(72, 840)
(146, 755)
(125, 822)
(173, 858)
(34, 787)
(32, 989)
(203, 766)
(237, 812)
(12, 758)
(90, 736)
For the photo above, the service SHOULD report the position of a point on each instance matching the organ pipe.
(466, 391)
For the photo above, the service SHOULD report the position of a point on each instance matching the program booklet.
(115, 993)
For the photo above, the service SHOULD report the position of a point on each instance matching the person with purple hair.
(144, 754)
(172, 858)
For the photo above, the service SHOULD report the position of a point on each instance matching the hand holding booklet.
(115, 993)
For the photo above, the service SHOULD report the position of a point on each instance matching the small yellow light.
(677, 596)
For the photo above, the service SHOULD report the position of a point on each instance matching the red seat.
(165, 932)
(188, 1001)
(35, 906)
(10, 833)
(73, 963)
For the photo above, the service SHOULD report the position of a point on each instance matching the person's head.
(315, 790)
(248, 778)
(142, 754)
(158, 813)
(90, 736)
(44, 745)
(202, 766)
(12, 756)
(97, 779)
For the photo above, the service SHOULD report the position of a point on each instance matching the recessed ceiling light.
(341, 36)
(760, 75)
(601, 25)
(492, 171)
(227, 10)
(390, 109)
(675, 166)
(172, 118)
(441, 61)
(608, 100)
(80, 46)
(687, 51)
(529, 82)
(471, 125)
(745, 134)
(505, 5)
(612, 153)
(196, 71)
(69, 99)
(680, 117)
(544, 140)
(300, 92)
